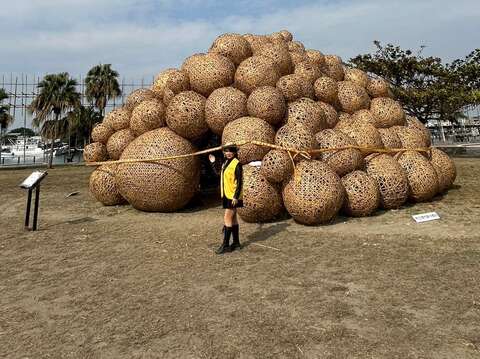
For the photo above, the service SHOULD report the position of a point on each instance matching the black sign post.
(33, 182)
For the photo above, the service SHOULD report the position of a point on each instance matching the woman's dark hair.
(230, 148)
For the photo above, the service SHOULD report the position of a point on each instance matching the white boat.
(28, 147)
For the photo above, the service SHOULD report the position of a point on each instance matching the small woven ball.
(341, 161)
(356, 76)
(333, 67)
(365, 135)
(390, 138)
(168, 96)
(223, 106)
(307, 112)
(174, 79)
(298, 57)
(444, 167)
(249, 129)
(296, 46)
(378, 88)
(422, 178)
(316, 57)
(256, 71)
(118, 141)
(276, 166)
(138, 96)
(118, 119)
(391, 179)
(413, 122)
(101, 132)
(352, 97)
(410, 137)
(287, 35)
(292, 87)
(256, 42)
(147, 116)
(267, 103)
(190, 61)
(277, 38)
(262, 200)
(331, 115)
(102, 186)
(314, 194)
(185, 115)
(162, 186)
(308, 90)
(233, 46)
(210, 72)
(95, 152)
(326, 90)
(387, 112)
(279, 55)
(333, 59)
(345, 120)
(296, 136)
(362, 194)
(364, 116)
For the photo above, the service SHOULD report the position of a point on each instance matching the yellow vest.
(228, 183)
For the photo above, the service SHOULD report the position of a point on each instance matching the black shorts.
(227, 203)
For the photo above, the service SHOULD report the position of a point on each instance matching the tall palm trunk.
(50, 159)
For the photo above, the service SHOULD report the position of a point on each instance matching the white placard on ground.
(33, 179)
(425, 217)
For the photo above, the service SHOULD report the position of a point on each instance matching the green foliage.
(28, 131)
(81, 120)
(5, 118)
(102, 85)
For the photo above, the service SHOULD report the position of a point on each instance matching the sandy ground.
(112, 282)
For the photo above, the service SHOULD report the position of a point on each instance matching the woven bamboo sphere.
(101, 132)
(309, 70)
(378, 88)
(233, 46)
(352, 97)
(391, 179)
(316, 57)
(174, 79)
(410, 137)
(223, 106)
(276, 166)
(326, 90)
(287, 35)
(308, 90)
(185, 115)
(147, 116)
(138, 96)
(277, 38)
(365, 135)
(345, 121)
(387, 112)
(296, 136)
(267, 103)
(95, 152)
(118, 119)
(364, 116)
(257, 42)
(292, 87)
(262, 200)
(333, 59)
(356, 76)
(333, 67)
(422, 178)
(444, 167)
(390, 138)
(280, 56)
(307, 112)
(102, 186)
(190, 61)
(314, 194)
(168, 96)
(296, 46)
(341, 161)
(118, 141)
(298, 57)
(331, 115)
(163, 186)
(209, 72)
(249, 129)
(413, 122)
(362, 194)
(256, 71)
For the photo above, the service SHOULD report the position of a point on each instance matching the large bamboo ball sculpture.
(292, 87)
(331, 115)
(223, 106)
(118, 141)
(256, 71)
(267, 103)
(307, 112)
(103, 187)
(422, 178)
(147, 116)
(101, 132)
(249, 129)
(413, 122)
(377, 87)
(356, 76)
(138, 96)
(390, 138)
(95, 152)
(190, 61)
(316, 57)
(173, 79)
(118, 119)
(352, 97)
(163, 186)
(362, 194)
(296, 136)
(333, 67)
(276, 166)
(326, 90)
(314, 194)
(387, 112)
(341, 161)
(309, 70)
(279, 55)
(233, 46)
(391, 179)
(185, 115)
(366, 135)
(262, 200)
(444, 167)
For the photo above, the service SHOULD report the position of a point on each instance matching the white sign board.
(33, 179)
(425, 217)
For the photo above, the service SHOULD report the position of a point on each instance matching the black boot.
(236, 238)
(225, 247)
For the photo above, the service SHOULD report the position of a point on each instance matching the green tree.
(57, 96)
(102, 85)
(81, 121)
(5, 118)
(21, 130)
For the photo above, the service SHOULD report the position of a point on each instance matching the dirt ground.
(113, 282)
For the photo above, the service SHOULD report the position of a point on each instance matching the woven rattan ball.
(276, 166)
(277, 38)
(162, 186)
(190, 61)
(341, 161)
(138, 96)
(345, 120)
(262, 200)
(326, 90)
(95, 152)
(314, 194)
(363, 116)
(422, 178)
(309, 70)
(377, 87)
(267, 103)
(390, 138)
(296, 136)
(210, 72)
(413, 122)
(287, 35)
(168, 96)
(174, 79)
(333, 67)
(223, 106)
(316, 57)
(365, 135)
(103, 187)
(233, 46)
(101, 132)
(147, 116)
(249, 129)
(279, 54)
(352, 97)
(362, 195)
(308, 90)
(118, 119)
(118, 141)
(308, 113)
(444, 167)
(410, 137)
(391, 179)
(387, 112)
(333, 59)
(356, 76)
(256, 42)
(185, 115)
(298, 57)
(331, 115)
(296, 46)
(292, 87)
(256, 71)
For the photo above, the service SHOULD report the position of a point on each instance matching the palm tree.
(81, 121)
(5, 118)
(57, 95)
(102, 85)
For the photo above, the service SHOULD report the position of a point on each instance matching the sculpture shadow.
(264, 234)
